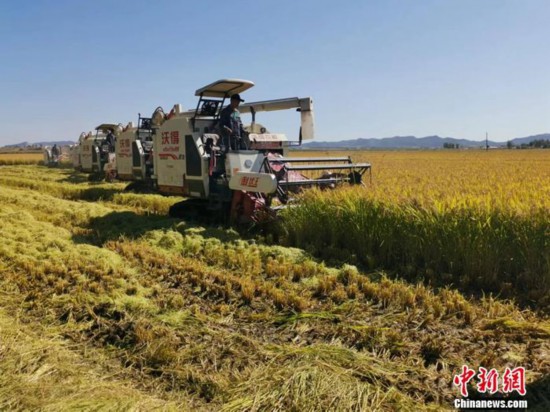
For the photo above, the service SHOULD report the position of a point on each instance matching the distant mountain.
(396, 142)
(38, 144)
(526, 140)
(412, 142)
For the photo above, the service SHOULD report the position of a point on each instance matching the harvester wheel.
(139, 186)
(110, 176)
(182, 210)
(191, 209)
(95, 177)
(249, 208)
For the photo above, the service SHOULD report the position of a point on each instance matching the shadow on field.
(97, 193)
(75, 177)
(62, 165)
(65, 165)
(538, 394)
(131, 225)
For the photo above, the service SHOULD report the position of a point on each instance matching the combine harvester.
(94, 153)
(52, 156)
(134, 157)
(245, 185)
(74, 152)
(55, 155)
(129, 160)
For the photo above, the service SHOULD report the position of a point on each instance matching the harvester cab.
(87, 145)
(245, 183)
(96, 155)
(52, 156)
(134, 151)
(123, 151)
(75, 151)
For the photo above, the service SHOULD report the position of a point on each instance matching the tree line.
(535, 144)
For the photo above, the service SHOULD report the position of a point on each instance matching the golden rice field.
(514, 180)
(16, 158)
(474, 219)
(372, 300)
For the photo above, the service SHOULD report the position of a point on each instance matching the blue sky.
(373, 68)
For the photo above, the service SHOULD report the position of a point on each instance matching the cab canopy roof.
(106, 126)
(224, 88)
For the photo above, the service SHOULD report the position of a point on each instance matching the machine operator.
(55, 152)
(111, 140)
(231, 125)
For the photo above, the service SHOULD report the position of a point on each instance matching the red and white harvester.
(93, 155)
(134, 153)
(244, 184)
